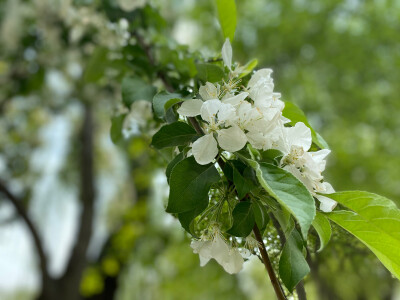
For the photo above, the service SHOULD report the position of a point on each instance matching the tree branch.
(17, 203)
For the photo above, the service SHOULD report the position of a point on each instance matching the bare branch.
(20, 209)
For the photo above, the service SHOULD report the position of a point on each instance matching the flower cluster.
(234, 115)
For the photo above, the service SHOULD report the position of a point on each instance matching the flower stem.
(267, 263)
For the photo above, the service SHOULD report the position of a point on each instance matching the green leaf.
(134, 89)
(209, 72)
(173, 163)
(260, 215)
(187, 218)
(248, 67)
(295, 114)
(96, 65)
(323, 228)
(288, 191)
(243, 219)
(170, 103)
(292, 265)
(375, 221)
(117, 123)
(159, 101)
(270, 156)
(189, 185)
(227, 17)
(174, 134)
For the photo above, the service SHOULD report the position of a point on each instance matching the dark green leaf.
(159, 101)
(134, 89)
(227, 17)
(295, 114)
(243, 219)
(173, 163)
(189, 185)
(292, 265)
(323, 228)
(260, 215)
(209, 72)
(170, 103)
(174, 134)
(375, 221)
(187, 218)
(117, 123)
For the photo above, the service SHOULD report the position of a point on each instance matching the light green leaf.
(293, 266)
(323, 228)
(170, 103)
(117, 123)
(134, 89)
(375, 221)
(209, 72)
(189, 185)
(248, 67)
(243, 219)
(227, 17)
(288, 191)
(174, 134)
(295, 114)
(159, 101)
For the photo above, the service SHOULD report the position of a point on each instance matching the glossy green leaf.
(134, 89)
(375, 221)
(174, 134)
(243, 219)
(209, 72)
(295, 114)
(189, 185)
(293, 266)
(227, 17)
(117, 124)
(187, 218)
(159, 101)
(323, 228)
(288, 191)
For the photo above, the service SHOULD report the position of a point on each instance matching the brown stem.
(267, 263)
(17, 203)
(301, 292)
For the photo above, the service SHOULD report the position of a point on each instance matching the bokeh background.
(338, 60)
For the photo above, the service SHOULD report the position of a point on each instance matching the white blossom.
(229, 258)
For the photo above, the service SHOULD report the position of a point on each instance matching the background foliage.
(338, 60)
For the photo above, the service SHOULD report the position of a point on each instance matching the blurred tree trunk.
(68, 286)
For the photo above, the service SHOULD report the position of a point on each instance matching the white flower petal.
(262, 74)
(232, 139)
(208, 91)
(205, 149)
(233, 262)
(210, 109)
(190, 108)
(299, 135)
(227, 54)
(226, 113)
(203, 248)
(327, 204)
(235, 100)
